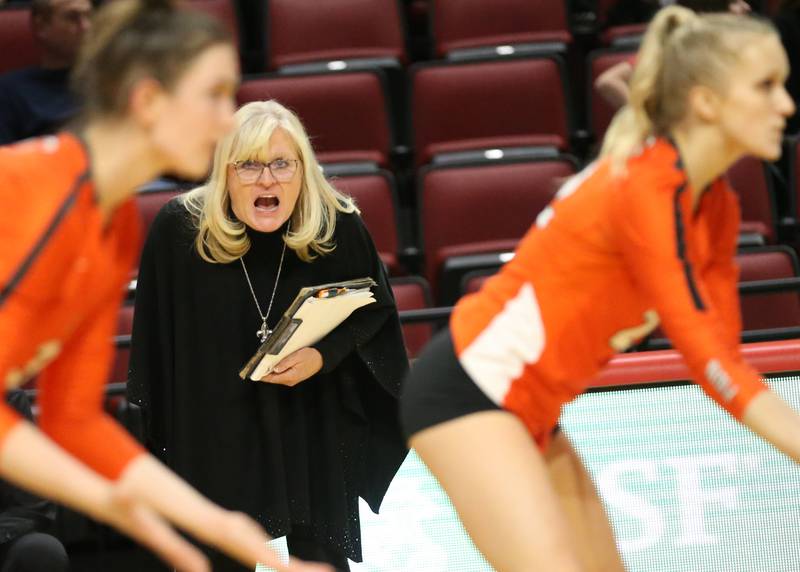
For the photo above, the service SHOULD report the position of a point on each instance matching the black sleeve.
(151, 342)
(356, 251)
(367, 355)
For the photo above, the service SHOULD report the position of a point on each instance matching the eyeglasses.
(282, 170)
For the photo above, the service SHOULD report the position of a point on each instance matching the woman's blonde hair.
(680, 50)
(221, 237)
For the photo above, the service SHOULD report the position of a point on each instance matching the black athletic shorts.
(438, 389)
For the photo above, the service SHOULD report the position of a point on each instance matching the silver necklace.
(264, 332)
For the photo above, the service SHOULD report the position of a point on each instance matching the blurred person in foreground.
(158, 85)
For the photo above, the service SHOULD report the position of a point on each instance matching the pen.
(330, 292)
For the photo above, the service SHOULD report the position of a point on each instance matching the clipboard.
(314, 313)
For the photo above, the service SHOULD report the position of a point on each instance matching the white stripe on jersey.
(514, 338)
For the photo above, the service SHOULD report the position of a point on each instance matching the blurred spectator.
(37, 100)
(612, 84)
(24, 546)
(787, 20)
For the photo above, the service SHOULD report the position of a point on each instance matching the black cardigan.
(300, 455)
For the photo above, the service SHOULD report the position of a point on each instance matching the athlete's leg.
(498, 482)
(587, 517)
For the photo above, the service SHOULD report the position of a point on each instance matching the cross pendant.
(263, 332)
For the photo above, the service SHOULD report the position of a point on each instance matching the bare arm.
(33, 462)
(774, 421)
(72, 415)
(234, 533)
(612, 84)
(145, 493)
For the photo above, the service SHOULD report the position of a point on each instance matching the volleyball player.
(157, 85)
(645, 235)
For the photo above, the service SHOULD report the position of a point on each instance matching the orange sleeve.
(71, 398)
(649, 226)
(721, 277)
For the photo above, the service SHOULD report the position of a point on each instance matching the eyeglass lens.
(280, 169)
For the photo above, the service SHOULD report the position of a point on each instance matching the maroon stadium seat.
(17, 48)
(413, 293)
(474, 280)
(150, 200)
(304, 31)
(490, 104)
(119, 371)
(466, 24)
(345, 114)
(600, 112)
(628, 35)
(376, 199)
(749, 178)
(223, 10)
(793, 153)
(769, 310)
(482, 209)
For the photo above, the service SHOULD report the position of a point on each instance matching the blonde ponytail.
(638, 119)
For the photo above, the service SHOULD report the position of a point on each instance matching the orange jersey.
(62, 274)
(605, 263)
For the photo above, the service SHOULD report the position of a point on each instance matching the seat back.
(629, 35)
(459, 24)
(413, 293)
(17, 46)
(769, 310)
(150, 201)
(119, 370)
(345, 114)
(376, 198)
(749, 179)
(793, 153)
(474, 281)
(489, 104)
(302, 31)
(482, 208)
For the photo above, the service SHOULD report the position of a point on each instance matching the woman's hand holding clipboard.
(314, 313)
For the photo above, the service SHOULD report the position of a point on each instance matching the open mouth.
(267, 203)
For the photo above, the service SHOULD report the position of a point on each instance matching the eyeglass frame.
(268, 166)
